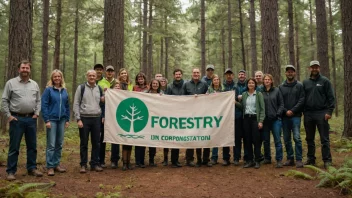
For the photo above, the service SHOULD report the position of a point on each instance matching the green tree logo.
(132, 115)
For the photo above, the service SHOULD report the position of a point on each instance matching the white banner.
(154, 120)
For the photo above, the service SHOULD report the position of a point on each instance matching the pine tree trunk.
(202, 35)
(291, 38)
(140, 21)
(229, 24)
(150, 42)
(322, 38)
(114, 33)
(20, 34)
(57, 36)
(313, 54)
(298, 66)
(223, 55)
(64, 58)
(253, 38)
(144, 48)
(346, 15)
(75, 56)
(333, 62)
(270, 39)
(241, 35)
(161, 55)
(166, 51)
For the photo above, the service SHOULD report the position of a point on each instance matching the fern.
(299, 175)
(315, 169)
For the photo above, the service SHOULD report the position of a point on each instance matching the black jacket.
(293, 95)
(192, 88)
(274, 103)
(175, 88)
(319, 95)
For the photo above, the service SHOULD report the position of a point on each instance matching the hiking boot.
(190, 164)
(310, 162)
(176, 165)
(103, 165)
(141, 166)
(327, 165)
(289, 162)
(51, 172)
(299, 164)
(236, 163)
(165, 163)
(96, 168)
(209, 164)
(226, 163)
(60, 169)
(248, 164)
(83, 169)
(266, 161)
(35, 172)
(198, 164)
(151, 163)
(114, 165)
(124, 166)
(279, 164)
(130, 167)
(257, 165)
(10, 177)
(214, 162)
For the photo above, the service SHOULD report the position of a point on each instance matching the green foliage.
(298, 174)
(25, 190)
(343, 145)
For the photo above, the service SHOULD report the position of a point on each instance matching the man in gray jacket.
(87, 110)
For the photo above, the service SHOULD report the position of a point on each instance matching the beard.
(24, 74)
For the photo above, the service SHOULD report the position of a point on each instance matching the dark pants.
(189, 155)
(238, 143)
(252, 138)
(126, 147)
(102, 146)
(206, 155)
(152, 152)
(90, 125)
(139, 153)
(174, 154)
(115, 153)
(311, 122)
(28, 127)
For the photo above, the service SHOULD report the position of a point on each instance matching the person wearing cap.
(109, 75)
(293, 95)
(259, 78)
(101, 81)
(209, 74)
(319, 105)
(194, 87)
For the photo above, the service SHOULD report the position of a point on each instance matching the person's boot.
(151, 161)
(165, 162)
(129, 166)
(124, 159)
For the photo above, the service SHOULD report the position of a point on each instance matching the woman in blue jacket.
(56, 115)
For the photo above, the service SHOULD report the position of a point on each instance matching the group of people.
(260, 109)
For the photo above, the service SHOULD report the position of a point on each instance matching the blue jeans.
(54, 141)
(275, 127)
(292, 125)
(215, 153)
(28, 127)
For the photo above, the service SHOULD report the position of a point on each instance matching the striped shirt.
(20, 97)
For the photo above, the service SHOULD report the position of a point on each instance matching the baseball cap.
(98, 66)
(290, 67)
(210, 67)
(242, 71)
(228, 70)
(109, 67)
(314, 62)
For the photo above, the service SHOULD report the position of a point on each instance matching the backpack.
(83, 87)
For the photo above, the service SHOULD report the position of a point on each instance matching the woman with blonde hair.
(124, 79)
(56, 114)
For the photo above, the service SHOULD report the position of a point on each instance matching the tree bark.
(64, 58)
(223, 55)
(298, 66)
(253, 38)
(166, 50)
(114, 33)
(270, 39)
(291, 38)
(57, 35)
(144, 48)
(161, 55)
(229, 24)
(322, 38)
(150, 42)
(20, 34)
(75, 56)
(202, 35)
(333, 61)
(241, 36)
(346, 15)
(313, 54)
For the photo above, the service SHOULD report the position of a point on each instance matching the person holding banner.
(174, 88)
(194, 87)
(215, 87)
(253, 108)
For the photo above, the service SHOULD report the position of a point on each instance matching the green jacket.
(211, 90)
(259, 105)
(103, 83)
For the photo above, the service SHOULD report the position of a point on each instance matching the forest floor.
(160, 181)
